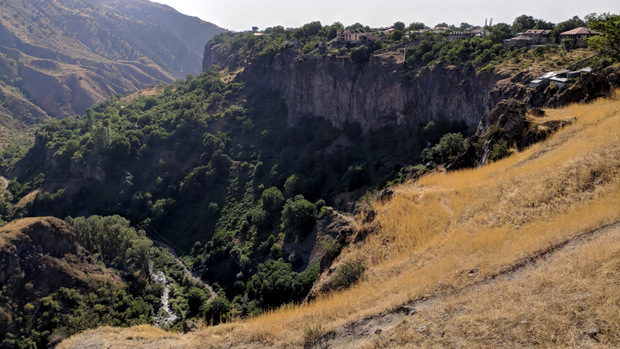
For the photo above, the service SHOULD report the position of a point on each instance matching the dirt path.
(371, 329)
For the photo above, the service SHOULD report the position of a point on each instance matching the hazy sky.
(243, 14)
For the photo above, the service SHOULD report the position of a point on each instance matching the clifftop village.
(347, 39)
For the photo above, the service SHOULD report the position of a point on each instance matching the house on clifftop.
(578, 36)
(345, 37)
(530, 38)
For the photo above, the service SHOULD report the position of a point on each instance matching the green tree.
(397, 35)
(450, 145)
(360, 54)
(523, 23)
(196, 297)
(399, 26)
(609, 41)
(416, 26)
(332, 30)
(217, 311)
(298, 216)
(272, 200)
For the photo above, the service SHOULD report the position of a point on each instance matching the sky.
(240, 15)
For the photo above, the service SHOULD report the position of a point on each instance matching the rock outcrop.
(32, 246)
(374, 94)
(381, 92)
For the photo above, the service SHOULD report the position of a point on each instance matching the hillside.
(540, 226)
(58, 58)
(40, 260)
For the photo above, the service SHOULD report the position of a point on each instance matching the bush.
(217, 311)
(347, 274)
(448, 148)
(298, 217)
(356, 176)
(360, 54)
(499, 151)
(195, 299)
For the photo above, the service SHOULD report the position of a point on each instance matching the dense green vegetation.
(609, 41)
(212, 167)
(44, 318)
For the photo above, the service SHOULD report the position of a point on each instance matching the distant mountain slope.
(65, 55)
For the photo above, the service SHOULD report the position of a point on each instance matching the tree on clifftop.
(609, 27)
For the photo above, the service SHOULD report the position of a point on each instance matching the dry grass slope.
(457, 248)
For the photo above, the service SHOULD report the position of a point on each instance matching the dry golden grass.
(571, 300)
(450, 231)
(548, 61)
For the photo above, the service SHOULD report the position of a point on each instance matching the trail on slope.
(377, 329)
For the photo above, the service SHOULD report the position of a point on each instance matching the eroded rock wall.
(372, 94)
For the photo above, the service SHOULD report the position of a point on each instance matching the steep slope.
(39, 257)
(374, 95)
(66, 55)
(384, 91)
(542, 226)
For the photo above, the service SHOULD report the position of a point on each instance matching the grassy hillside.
(540, 226)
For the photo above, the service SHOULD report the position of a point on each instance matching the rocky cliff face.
(373, 94)
(382, 92)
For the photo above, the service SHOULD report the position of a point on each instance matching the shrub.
(312, 334)
(217, 311)
(360, 54)
(347, 274)
(298, 216)
(499, 151)
(195, 299)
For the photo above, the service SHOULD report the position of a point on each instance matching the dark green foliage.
(119, 245)
(609, 41)
(360, 54)
(399, 26)
(347, 274)
(523, 23)
(479, 51)
(500, 150)
(272, 200)
(67, 311)
(416, 26)
(298, 217)
(217, 311)
(196, 297)
(450, 145)
(276, 283)
(357, 175)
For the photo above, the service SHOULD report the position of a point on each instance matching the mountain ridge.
(65, 55)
